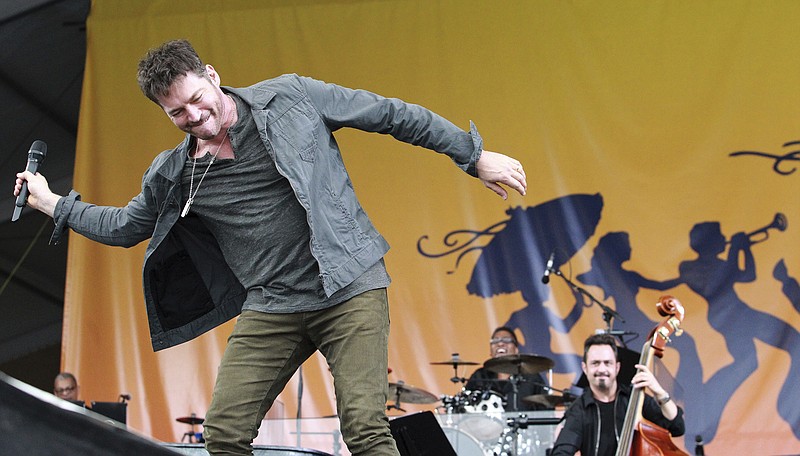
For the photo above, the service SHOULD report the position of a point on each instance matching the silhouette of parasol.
(515, 258)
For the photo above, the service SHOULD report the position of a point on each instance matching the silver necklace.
(191, 178)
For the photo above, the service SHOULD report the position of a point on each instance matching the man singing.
(254, 213)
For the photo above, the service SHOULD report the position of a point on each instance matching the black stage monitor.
(419, 434)
(117, 411)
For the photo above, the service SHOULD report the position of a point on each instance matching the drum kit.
(476, 422)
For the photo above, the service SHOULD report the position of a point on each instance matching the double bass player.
(592, 424)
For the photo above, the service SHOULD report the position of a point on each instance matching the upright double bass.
(640, 437)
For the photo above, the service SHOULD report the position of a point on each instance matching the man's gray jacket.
(188, 287)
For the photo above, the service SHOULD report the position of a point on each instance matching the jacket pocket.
(297, 127)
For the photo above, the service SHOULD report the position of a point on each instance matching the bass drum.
(463, 443)
(484, 415)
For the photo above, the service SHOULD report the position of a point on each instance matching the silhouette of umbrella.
(517, 254)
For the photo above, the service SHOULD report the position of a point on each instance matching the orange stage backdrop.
(625, 115)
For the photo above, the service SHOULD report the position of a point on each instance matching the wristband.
(663, 400)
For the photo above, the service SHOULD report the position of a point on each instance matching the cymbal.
(190, 420)
(455, 363)
(410, 394)
(548, 400)
(519, 364)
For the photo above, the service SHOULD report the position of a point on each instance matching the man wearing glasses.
(66, 387)
(503, 343)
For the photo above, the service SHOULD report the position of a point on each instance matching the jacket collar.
(588, 397)
(172, 161)
(257, 96)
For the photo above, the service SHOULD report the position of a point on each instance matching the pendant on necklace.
(190, 199)
(186, 207)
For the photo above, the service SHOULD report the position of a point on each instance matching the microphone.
(548, 268)
(35, 158)
(124, 397)
(698, 449)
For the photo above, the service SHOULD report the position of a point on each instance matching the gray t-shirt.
(261, 227)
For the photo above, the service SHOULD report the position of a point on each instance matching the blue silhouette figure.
(790, 286)
(714, 278)
(622, 285)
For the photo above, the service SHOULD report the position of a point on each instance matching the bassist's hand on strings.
(645, 379)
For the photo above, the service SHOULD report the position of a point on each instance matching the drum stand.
(192, 436)
(515, 380)
(455, 361)
(456, 403)
(396, 404)
(508, 441)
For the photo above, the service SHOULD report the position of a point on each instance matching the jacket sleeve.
(652, 412)
(342, 107)
(118, 226)
(571, 436)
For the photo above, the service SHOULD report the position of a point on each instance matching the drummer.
(504, 342)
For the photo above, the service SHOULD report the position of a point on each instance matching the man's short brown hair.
(600, 339)
(164, 65)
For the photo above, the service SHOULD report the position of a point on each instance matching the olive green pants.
(265, 350)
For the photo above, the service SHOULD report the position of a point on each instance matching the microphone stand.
(299, 426)
(608, 313)
(563, 392)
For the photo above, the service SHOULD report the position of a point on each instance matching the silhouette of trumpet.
(762, 234)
